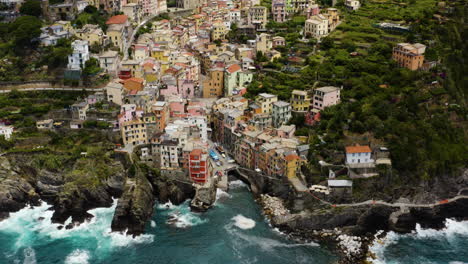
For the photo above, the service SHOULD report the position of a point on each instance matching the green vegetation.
(31, 8)
(423, 124)
(91, 67)
(91, 15)
(20, 56)
(22, 108)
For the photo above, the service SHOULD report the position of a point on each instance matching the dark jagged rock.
(135, 207)
(15, 191)
(205, 197)
(76, 198)
(76, 203)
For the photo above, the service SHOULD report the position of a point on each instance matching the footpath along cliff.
(350, 227)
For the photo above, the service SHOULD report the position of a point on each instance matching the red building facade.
(198, 165)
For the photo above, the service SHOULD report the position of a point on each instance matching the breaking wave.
(449, 237)
(78, 256)
(237, 184)
(32, 224)
(181, 216)
(243, 240)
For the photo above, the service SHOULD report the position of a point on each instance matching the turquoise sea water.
(233, 231)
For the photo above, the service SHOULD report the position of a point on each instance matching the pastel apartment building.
(358, 154)
(198, 165)
(325, 97)
(91, 33)
(278, 11)
(79, 56)
(161, 111)
(118, 30)
(266, 101)
(300, 101)
(352, 4)
(258, 17)
(115, 93)
(108, 61)
(316, 26)
(281, 113)
(410, 56)
(213, 86)
(133, 132)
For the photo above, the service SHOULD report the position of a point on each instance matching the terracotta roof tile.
(119, 19)
(292, 157)
(358, 149)
(233, 68)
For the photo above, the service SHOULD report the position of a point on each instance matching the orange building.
(161, 110)
(214, 85)
(134, 84)
(410, 56)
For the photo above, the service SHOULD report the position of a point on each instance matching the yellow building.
(91, 33)
(219, 31)
(116, 34)
(159, 54)
(300, 101)
(134, 66)
(333, 18)
(293, 165)
(134, 132)
(258, 16)
(266, 102)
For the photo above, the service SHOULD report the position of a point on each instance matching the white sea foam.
(29, 256)
(34, 223)
(450, 231)
(243, 222)
(153, 224)
(78, 256)
(220, 194)
(167, 206)
(181, 216)
(236, 184)
(243, 240)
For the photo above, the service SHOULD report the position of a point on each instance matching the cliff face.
(135, 207)
(72, 191)
(15, 191)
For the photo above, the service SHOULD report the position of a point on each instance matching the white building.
(358, 154)
(234, 16)
(316, 26)
(80, 55)
(109, 60)
(115, 93)
(281, 112)
(352, 4)
(6, 131)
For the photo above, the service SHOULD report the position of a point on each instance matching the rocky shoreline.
(351, 232)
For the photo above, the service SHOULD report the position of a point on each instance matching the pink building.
(278, 41)
(286, 131)
(129, 112)
(169, 86)
(313, 10)
(186, 88)
(325, 97)
(196, 108)
(176, 106)
(278, 10)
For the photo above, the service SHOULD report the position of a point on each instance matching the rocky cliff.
(135, 207)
